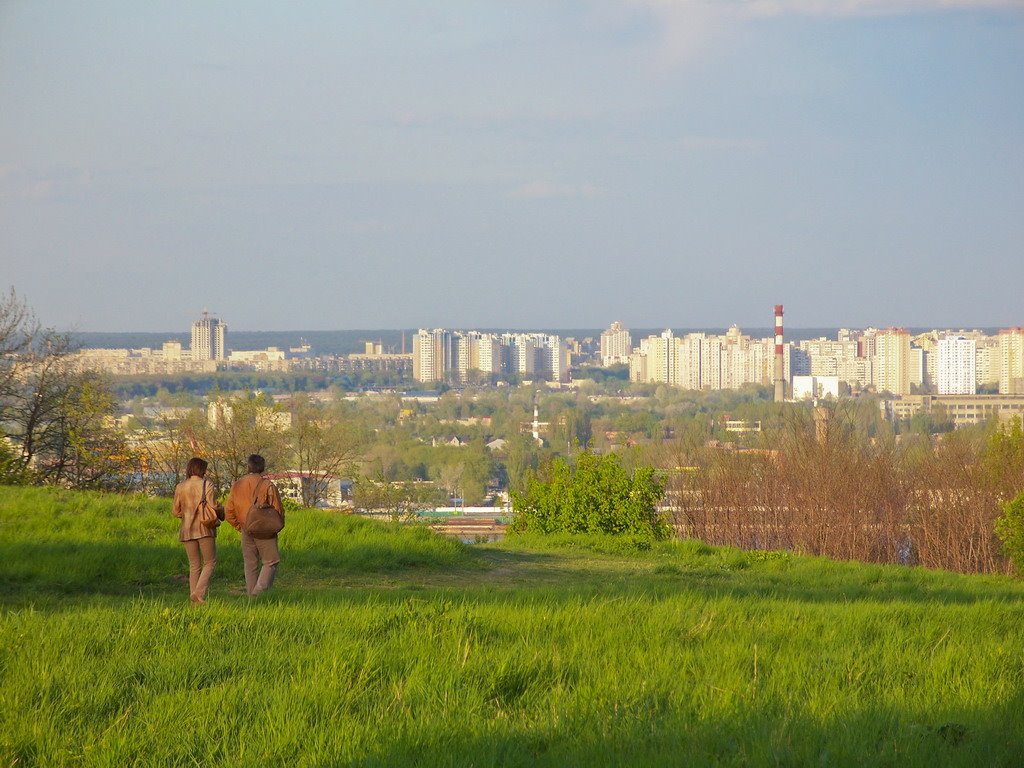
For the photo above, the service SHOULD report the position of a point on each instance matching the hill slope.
(385, 645)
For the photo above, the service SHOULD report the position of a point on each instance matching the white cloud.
(35, 184)
(869, 7)
(363, 226)
(546, 190)
(686, 28)
(720, 143)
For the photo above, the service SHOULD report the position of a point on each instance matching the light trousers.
(255, 551)
(202, 559)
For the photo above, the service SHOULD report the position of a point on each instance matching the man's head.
(196, 467)
(256, 464)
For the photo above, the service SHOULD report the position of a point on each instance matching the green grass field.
(384, 645)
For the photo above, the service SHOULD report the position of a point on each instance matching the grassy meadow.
(387, 645)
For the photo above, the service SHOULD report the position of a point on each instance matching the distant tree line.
(129, 387)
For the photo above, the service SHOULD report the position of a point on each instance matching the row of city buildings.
(958, 377)
(936, 362)
(443, 355)
(209, 353)
(884, 360)
(888, 360)
(704, 361)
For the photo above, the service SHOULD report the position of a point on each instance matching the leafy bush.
(595, 496)
(1010, 530)
(12, 471)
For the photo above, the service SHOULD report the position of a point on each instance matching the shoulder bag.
(207, 514)
(262, 521)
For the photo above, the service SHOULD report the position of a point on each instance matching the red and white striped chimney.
(780, 369)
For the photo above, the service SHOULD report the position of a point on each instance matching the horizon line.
(552, 327)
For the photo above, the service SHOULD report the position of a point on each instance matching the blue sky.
(529, 164)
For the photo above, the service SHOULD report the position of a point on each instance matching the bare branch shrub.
(821, 485)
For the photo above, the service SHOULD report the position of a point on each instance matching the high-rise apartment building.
(638, 364)
(432, 354)
(489, 354)
(827, 357)
(522, 353)
(208, 337)
(688, 361)
(926, 346)
(476, 351)
(1011, 361)
(710, 360)
(616, 345)
(551, 358)
(893, 361)
(987, 367)
(867, 343)
(956, 365)
(462, 345)
(657, 359)
(918, 367)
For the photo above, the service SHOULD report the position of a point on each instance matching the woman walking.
(195, 504)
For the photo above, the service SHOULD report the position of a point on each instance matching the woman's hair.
(196, 467)
(256, 464)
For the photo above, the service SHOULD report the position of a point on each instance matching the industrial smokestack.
(780, 369)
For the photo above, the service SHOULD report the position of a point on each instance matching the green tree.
(1010, 530)
(596, 495)
(323, 446)
(12, 471)
(240, 426)
(1004, 458)
(521, 461)
(451, 477)
(94, 452)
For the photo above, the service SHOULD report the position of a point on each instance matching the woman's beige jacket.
(187, 496)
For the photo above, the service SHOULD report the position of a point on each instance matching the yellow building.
(893, 361)
(1011, 361)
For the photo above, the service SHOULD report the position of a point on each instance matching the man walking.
(248, 490)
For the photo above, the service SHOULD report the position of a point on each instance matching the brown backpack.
(262, 521)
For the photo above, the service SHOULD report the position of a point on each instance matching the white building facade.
(616, 345)
(956, 366)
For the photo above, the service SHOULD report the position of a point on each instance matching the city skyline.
(362, 166)
(791, 330)
(949, 361)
